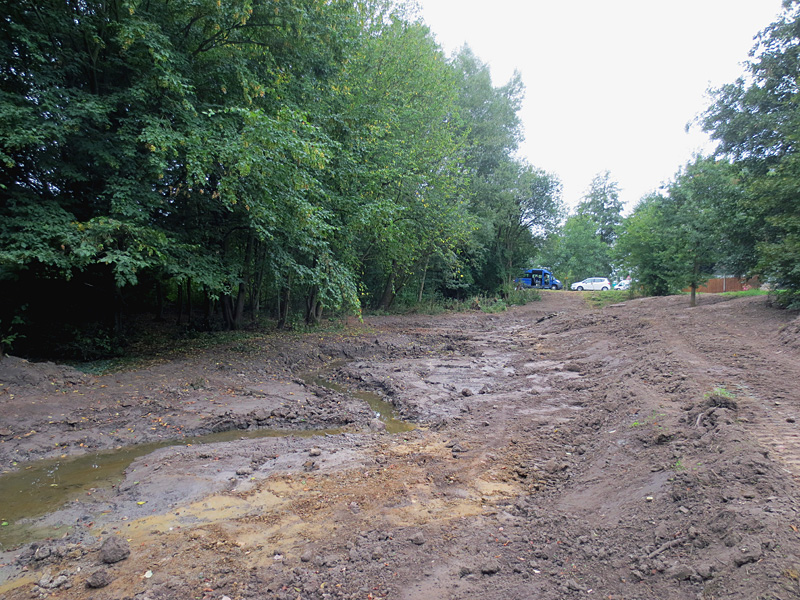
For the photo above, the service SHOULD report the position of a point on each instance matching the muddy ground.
(643, 450)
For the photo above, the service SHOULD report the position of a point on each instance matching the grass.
(601, 299)
(720, 392)
(744, 293)
(487, 304)
(652, 419)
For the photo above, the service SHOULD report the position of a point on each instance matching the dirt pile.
(644, 450)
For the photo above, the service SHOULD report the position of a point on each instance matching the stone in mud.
(680, 572)
(747, 555)
(114, 549)
(98, 579)
(490, 568)
(377, 425)
(418, 538)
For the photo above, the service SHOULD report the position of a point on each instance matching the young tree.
(603, 206)
(679, 239)
(643, 247)
(577, 251)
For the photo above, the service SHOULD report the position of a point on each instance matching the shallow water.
(44, 486)
(383, 410)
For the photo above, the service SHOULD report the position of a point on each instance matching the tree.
(680, 239)
(603, 206)
(577, 251)
(405, 154)
(643, 247)
(171, 139)
(755, 121)
(515, 204)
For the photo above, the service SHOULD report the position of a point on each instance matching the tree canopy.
(245, 156)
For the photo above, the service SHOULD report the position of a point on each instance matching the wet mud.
(642, 450)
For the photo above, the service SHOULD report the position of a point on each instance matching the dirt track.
(645, 450)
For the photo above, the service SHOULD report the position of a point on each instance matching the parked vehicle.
(538, 278)
(625, 284)
(592, 283)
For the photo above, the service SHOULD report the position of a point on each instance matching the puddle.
(45, 486)
(383, 410)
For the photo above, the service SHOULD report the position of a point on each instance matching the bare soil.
(643, 450)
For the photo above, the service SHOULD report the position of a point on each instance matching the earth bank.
(644, 450)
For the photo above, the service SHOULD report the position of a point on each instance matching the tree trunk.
(118, 309)
(189, 304)
(238, 313)
(283, 306)
(180, 302)
(387, 298)
(258, 283)
(313, 306)
(159, 300)
(693, 296)
(424, 275)
(227, 311)
(209, 302)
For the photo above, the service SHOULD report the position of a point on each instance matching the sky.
(610, 84)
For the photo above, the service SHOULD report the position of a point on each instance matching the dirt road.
(643, 450)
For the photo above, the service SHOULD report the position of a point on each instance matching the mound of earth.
(790, 334)
(642, 450)
(20, 374)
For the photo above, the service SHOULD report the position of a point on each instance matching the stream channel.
(44, 486)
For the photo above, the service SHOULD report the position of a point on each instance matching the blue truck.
(538, 278)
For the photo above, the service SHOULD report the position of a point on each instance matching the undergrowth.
(601, 299)
(744, 293)
(789, 299)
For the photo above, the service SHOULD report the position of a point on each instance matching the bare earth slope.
(645, 450)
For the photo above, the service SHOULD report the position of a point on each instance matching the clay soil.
(642, 450)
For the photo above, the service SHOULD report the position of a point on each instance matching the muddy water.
(382, 409)
(44, 486)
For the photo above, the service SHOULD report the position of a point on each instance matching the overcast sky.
(610, 84)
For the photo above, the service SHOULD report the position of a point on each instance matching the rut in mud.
(645, 450)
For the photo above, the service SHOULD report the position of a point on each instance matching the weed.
(720, 392)
(678, 466)
(745, 293)
(602, 299)
(649, 420)
(721, 397)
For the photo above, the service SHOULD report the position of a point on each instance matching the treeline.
(736, 213)
(243, 159)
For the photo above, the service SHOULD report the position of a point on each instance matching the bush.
(785, 299)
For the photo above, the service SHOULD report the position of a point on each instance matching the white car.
(592, 283)
(623, 285)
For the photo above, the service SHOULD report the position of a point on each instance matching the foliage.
(9, 333)
(603, 206)
(755, 120)
(745, 293)
(602, 299)
(642, 247)
(680, 238)
(297, 155)
(516, 206)
(577, 252)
